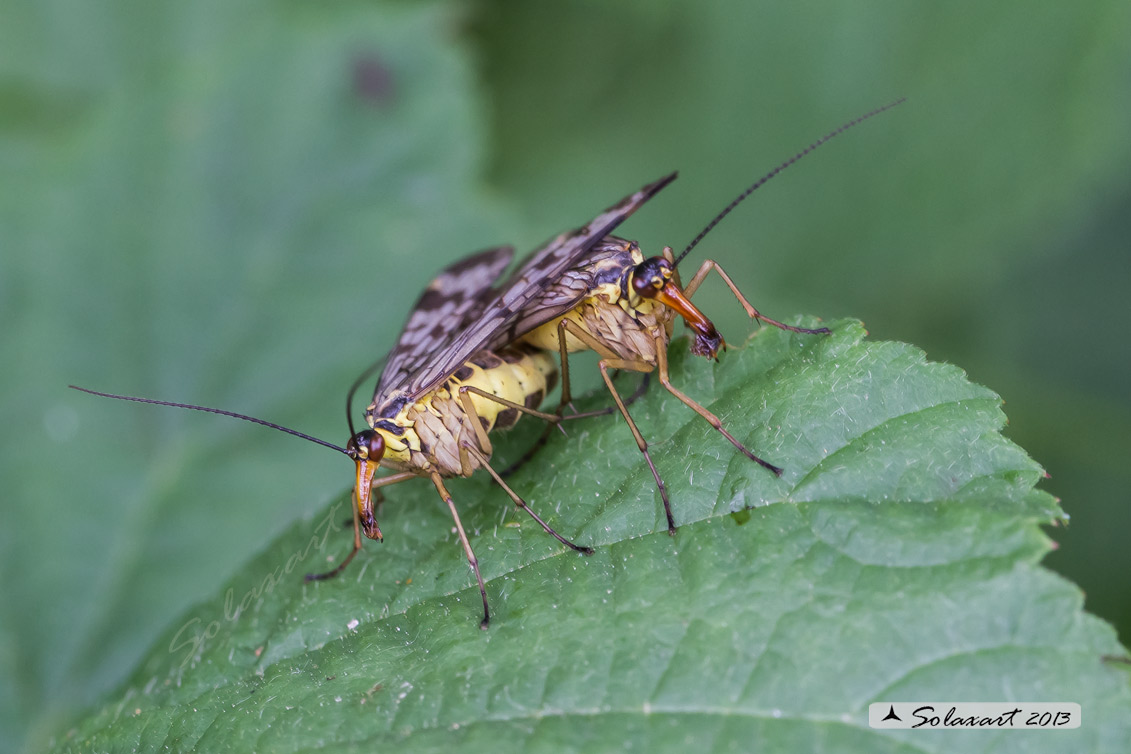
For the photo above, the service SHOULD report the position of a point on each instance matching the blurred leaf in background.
(234, 204)
(223, 203)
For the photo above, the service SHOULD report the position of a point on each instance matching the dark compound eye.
(651, 275)
(367, 445)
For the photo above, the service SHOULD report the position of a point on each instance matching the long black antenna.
(761, 181)
(222, 412)
(356, 384)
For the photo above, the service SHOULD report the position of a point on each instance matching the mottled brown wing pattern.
(605, 262)
(448, 306)
(493, 325)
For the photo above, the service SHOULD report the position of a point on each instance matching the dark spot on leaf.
(372, 79)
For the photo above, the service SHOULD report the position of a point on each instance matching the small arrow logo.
(891, 714)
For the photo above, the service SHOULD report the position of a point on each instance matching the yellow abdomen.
(437, 425)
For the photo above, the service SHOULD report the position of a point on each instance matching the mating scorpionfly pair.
(474, 356)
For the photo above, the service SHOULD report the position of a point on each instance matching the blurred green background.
(234, 203)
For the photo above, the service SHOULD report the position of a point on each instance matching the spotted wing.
(447, 307)
(492, 325)
(602, 263)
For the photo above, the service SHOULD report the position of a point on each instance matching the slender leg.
(563, 352)
(605, 365)
(368, 518)
(711, 418)
(609, 360)
(518, 501)
(346, 561)
(391, 479)
(471, 559)
(753, 313)
(545, 436)
(594, 345)
(485, 451)
(465, 389)
(637, 394)
(465, 392)
(377, 495)
(385, 481)
(565, 399)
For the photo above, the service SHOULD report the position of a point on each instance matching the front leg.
(362, 518)
(710, 264)
(465, 393)
(468, 552)
(713, 420)
(567, 325)
(520, 503)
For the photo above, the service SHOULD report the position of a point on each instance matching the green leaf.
(896, 558)
(984, 220)
(233, 202)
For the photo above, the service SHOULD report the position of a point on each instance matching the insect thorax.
(611, 310)
(427, 434)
